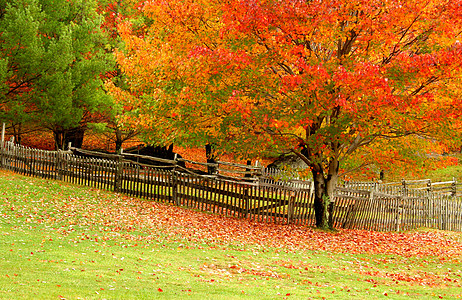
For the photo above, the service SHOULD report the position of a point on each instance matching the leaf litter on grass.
(138, 221)
(115, 214)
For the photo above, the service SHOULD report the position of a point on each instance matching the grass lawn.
(62, 241)
(447, 174)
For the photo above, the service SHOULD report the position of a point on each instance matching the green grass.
(60, 240)
(447, 174)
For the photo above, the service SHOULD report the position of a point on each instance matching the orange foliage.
(198, 154)
(326, 80)
(40, 140)
(332, 76)
(94, 141)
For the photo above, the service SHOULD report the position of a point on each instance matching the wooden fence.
(238, 190)
(372, 210)
(260, 199)
(452, 188)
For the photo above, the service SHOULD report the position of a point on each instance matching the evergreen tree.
(55, 58)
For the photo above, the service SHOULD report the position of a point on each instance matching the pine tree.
(55, 58)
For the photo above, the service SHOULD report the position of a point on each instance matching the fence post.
(2, 145)
(246, 203)
(291, 209)
(10, 154)
(404, 193)
(175, 183)
(58, 165)
(399, 212)
(2, 154)
(444, 213)
(118, 174)
(370, 200)
(454, 187)
(3, 133)
(259, 172)
(211, 159)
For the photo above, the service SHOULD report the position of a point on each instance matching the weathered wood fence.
(236, 190)
(373, 210)
(452, 188)
(255, 198)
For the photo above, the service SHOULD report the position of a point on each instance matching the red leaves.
(197, 228)
(192, 229)
(292, 81)
(372, 73)
(220, 60)
(413, 276)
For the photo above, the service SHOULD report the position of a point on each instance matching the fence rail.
(263, 197)
(260, 199)
(372, 210)
(452, 188)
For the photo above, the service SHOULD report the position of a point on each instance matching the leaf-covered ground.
(48, 218)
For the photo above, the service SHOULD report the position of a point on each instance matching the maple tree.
(322, 79)
(393, 160)
(112, 126)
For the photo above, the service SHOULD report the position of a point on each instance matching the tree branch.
(354, 169)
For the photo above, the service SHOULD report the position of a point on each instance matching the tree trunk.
(324, 185)
(118, 141)
(64, 136)
(74, 136)
(17, 133)
(211, 159)
(320, 203)
(58, 134)
(325, 181)
(118, 146)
